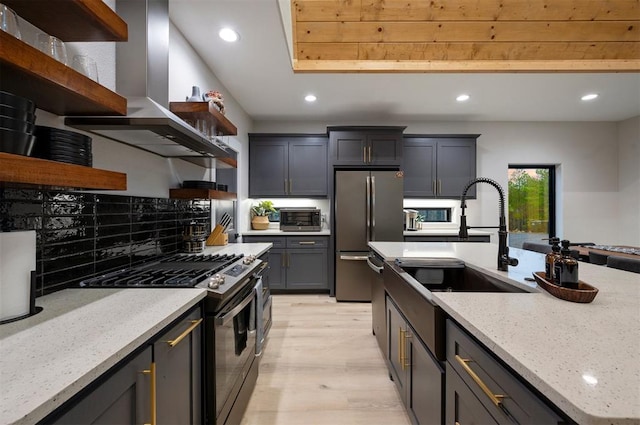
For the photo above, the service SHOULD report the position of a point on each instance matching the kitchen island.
(79, 335)
(584, 358)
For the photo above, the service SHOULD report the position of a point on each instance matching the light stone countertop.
(585, 358)
(80, 334)
(278, 232)
(444, 231)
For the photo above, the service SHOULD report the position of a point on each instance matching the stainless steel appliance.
(233, 330)
(300, 219)
(368, 207)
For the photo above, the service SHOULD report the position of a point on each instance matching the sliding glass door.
(531, 194)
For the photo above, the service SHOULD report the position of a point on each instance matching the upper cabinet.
(287, 165)
(439, 166)
(366, 146)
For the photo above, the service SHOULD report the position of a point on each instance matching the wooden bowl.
(584, 294)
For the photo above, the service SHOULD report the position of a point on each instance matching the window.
(531, 194)
(433, 215)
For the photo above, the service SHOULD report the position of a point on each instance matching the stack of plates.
(198, 184)
(63, 146)
(17, 122)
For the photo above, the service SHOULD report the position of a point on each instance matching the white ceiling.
(257, 73)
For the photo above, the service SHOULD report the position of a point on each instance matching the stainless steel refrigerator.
(368, 207)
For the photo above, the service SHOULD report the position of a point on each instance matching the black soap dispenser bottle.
(551, 258)
(566, 268)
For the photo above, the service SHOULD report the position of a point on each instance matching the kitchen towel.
(17, 260)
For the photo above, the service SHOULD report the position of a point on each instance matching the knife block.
(222, 239)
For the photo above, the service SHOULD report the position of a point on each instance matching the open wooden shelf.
(52, 85)
(72, 20)
(44, 173)
(204, 111)
(201, 194)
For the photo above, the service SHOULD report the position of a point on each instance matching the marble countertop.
(81, 333)
(585, 358)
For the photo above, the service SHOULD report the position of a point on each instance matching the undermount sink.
(452, 275)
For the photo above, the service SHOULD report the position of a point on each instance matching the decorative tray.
(584, 294)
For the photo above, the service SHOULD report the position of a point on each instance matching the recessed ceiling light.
(589, 96)
(310, 98)
(227, 34)
(462, 98)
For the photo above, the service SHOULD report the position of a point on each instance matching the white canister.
(17, 260)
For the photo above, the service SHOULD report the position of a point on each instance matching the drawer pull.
(306, 243)
(496, 399)
(194, 324)
(152, 373)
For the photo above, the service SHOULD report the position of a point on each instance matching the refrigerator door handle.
(353, 257)
(373, 208)
(368, 212)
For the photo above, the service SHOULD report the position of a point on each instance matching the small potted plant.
(260, 213)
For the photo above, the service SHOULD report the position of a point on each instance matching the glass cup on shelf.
(52, 46)
(86, 65)
(9, 21)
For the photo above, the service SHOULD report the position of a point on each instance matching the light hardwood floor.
(322, 365)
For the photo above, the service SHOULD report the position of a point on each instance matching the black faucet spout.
(504, 261)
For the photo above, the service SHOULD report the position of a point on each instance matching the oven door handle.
(226, 318)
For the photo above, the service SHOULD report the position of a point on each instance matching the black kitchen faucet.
(504, 261)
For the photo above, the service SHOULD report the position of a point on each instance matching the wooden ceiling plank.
(494, 51)
(358, 66)
(327, 51)
(368, 32)
(326, 10)
(510, 10)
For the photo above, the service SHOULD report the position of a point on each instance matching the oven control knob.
(249, 259)
(215, 281)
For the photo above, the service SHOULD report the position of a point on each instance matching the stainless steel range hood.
(142, 75)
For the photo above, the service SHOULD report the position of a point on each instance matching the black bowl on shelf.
(17, 113)
(18, 102)
(61, 145)
(16, 142)
(16, 124)
(198, 184)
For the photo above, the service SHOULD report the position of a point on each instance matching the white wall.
(629, 182)
(587, 156)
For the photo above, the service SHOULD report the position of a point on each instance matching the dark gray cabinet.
(438, 166)
(178, 358)
(169, 366)
(296, 262)
(288, 166)
(365, 146)
(480, 388)
(417, 374)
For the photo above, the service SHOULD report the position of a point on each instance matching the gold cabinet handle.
(434, 188)
(307, 243)
(364, 154)
(194, 324)
(152, 372)
(290, 186)
(439, 187)
(496, 399)
(401, 349)
(285, 186)
(369, 154)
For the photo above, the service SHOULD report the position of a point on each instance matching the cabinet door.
(268, 174)
(396, 330)
(384, 149)
(419, 166)
(308, 167)
(348, 147)
(426, 383)
(307, 269)
(123, 398)
(462, 406)
(179, 372)
(276, 272)
(456, 167)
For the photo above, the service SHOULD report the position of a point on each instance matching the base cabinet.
(296, 262)
(169, 366)
(474, 378)
(417, 374)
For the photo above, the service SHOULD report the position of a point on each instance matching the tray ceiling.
(465, 35)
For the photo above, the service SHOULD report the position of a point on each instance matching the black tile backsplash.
(79, 235)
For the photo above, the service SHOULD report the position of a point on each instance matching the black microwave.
(300, 219)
